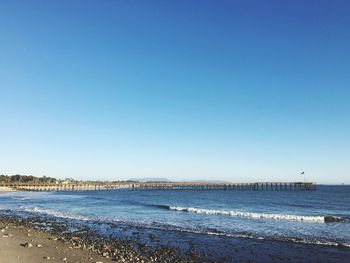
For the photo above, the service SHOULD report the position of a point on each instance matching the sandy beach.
(22, 244)
(34, 240)
(6, 189)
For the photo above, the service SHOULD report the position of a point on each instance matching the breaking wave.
(213, 232)
(53, 213)
(320, 219)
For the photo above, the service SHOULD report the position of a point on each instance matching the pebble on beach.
(27, 245)
(84, 238)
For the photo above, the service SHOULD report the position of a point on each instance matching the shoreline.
(36, 240)
(80, 240)
(5, 189)
(19, 243)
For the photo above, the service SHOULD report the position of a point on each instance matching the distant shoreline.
(7, 189)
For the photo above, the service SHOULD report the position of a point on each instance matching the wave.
(169, 227)
(320, 219)
(160, 206)
(53, 213)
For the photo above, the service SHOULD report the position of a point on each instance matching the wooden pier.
(138, 186)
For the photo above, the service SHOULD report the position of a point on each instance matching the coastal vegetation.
(18, 178)
(46, 180)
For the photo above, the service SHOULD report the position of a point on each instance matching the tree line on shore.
(30, 179)
(17, 178)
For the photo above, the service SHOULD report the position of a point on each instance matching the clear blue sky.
(229, 90)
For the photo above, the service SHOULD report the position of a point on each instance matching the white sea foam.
(56, 213)
(249, 215)
(3, 207)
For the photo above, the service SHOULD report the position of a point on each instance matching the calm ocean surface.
(284, 216)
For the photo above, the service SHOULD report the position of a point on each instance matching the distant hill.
(150, 179)
(157, 179)
(204, 181)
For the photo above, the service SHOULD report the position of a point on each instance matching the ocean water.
(287, 216)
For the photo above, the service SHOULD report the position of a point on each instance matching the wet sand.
(35, 240)
(22, 244)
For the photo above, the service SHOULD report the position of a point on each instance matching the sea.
(217, 218)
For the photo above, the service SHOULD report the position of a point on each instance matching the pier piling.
(137, 186)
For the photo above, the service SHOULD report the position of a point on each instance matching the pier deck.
(255, 186)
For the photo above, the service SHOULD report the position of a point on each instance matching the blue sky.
(229, 90)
